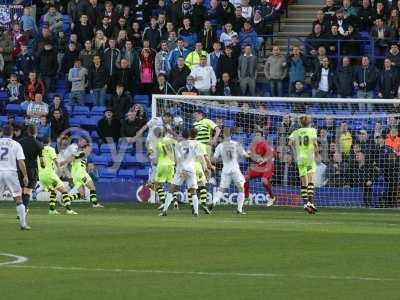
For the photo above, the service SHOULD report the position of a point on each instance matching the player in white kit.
(230, 152)
(187, 152)
(11, 155)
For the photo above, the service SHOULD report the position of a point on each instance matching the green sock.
(304, 194)
(161, 194)
(93, 197)
(67, 201)
(203, 194)
(310, 191)
(52, 200)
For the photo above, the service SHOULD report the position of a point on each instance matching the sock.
(52, 200)
(268, 188)
(66, 200)
(25, 200)
(168, 201)
(310, 191)
(217, 197)
(74, 197)
(161, 194)
(240, 202)
(190, 198)
(175, 197)
(203, 194)
(93, 197)
(21, 214)
(195, 204)
(304, 194)
(246, 189)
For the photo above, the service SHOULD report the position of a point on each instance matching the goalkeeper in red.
(262, 157)
(303, 142)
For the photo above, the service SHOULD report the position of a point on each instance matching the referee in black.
(32, 150)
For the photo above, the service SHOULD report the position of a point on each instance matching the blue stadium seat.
(107, 148)
(3, 95)
(229, 123)
(108, 173)
(103, 160)
(141, 99)
(3, 120)
(20, 120)
(124, 173)
(81, 110)
(13, 109)
(132, 161)
(77, 121)
(142, 173)
(95, 148)
(97, 110)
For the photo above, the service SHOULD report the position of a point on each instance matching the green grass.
(128, 252)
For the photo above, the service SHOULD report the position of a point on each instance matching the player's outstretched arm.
(216, 135)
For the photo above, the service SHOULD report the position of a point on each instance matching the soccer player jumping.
(303, 142)
(262, 166)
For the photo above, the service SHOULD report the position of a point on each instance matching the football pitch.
(128, 252)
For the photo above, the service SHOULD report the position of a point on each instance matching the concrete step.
(292, 34)
(305, 7)
(306, 14)
(308, 2)
(297, 20)
(302, 27)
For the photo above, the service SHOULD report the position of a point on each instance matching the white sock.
(168, 201)
(217, 197)
(21, 214)
(240, 202)
(195, 201)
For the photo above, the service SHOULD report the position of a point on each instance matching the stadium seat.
(80, 110)
(3, 95)
(133, 161)
(77, 121)
(107, 148)
(13, 109)
(229, 123)
(95, 148)
(126, 173)
(142, 173)
(103, 160)
(97, 110)
(108, 173)
(141, 99)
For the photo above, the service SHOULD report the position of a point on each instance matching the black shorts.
(32, 178)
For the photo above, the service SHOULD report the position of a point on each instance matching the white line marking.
(234, 274)
(17, 259)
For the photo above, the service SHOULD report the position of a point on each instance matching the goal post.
(359, 143)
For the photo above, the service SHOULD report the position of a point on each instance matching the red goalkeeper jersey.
(262, 149)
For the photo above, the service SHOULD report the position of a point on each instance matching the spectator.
(337, 171)
(163, 87)
(363, 176)
(248, 36)
(97, 82)
(120, 102)
(266, 10)
(199, 15)
(228, 63)
(188, 35)
(323, 21)
(106, 27)
(122, 37)
(125, 76)
(330, 9)
(86, 55)
(288, 170)
(365, 79)
(262, 28)
(43, 128)
(393, 22)
(239, 20)
(110, 58)
(189, 89)
(36, 110)
(393, 140)
(315, 40)
(48, 65)
(225, 12)
(394, 56)
(320, 173)
(226, 36)
(41, 39)
(172, 41)
(108, 128)
(366, 16)
(33, 86)
(350, 43)
(345, 140)
(186, 11)
(178, 74)
(349, 11)
(146, 71)
(136, 35)
(15, 90)
(18, 38)
(100, 41)
(135, 120)
(388, 81)
(381, 34)
(131, 56)
(299, 92)
(247, 71)
(379, 12)
(179, 51)
(57, 105)
(83, 30)
(208, 36)
(247, 9)
(296, 68)
(323, 80)
(70, 55)
(162, 65)
(344, 81)
(61, 46)
(204, 77)
(54, 20)
(214, 57)
(335, 37)
(275, 71)
(28, 23)
(193, 58)
(226, 87)
(24, 63)
(78, 78)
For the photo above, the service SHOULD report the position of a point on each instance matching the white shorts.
(9, 181)
(189, 177)
(235, 176)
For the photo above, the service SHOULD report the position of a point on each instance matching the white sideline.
(235, 274)
(17, 259)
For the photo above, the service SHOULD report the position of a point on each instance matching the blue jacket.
(190, 39)
(175, 54)
(213, 61)
(296, 70)
(248, 38)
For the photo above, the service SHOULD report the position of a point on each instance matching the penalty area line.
(17, 259)
(200, 273)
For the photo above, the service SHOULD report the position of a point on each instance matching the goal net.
(358, 140)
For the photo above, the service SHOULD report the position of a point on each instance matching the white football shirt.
(230, 152)
(68, 152)
(187, 152)
(10, 152)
